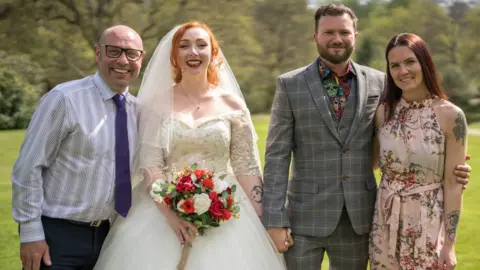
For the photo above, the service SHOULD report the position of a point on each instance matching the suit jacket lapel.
(362, 96)
(315, 86)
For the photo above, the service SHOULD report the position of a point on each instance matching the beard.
(335, 58)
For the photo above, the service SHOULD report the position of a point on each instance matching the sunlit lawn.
(475, 126)
(468, 242)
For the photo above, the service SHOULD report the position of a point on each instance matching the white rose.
(156, 187)
(202, 203)
(179, 206)
(156, 197)
(219, 185)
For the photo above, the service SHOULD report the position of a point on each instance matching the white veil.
(155, 107)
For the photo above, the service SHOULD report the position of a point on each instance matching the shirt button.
(345, 150)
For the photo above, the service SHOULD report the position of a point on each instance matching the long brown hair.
(216, 60)
(393, 93)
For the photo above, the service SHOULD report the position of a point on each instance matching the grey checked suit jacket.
(327, 172)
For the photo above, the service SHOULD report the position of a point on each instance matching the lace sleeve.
(148, 164)
(152, 144)
(244, 154)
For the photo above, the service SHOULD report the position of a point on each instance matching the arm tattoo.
(460, 128)
(257, 194)
(451, 224)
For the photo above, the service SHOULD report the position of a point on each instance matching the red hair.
(430, 75)
(212, 75)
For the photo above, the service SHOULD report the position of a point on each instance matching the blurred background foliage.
(47, 42)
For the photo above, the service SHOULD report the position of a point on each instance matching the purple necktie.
(123, 185)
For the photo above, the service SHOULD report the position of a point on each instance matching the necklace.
(197, 105)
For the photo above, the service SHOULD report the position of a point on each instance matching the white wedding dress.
(145, 241)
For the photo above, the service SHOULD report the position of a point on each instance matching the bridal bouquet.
(198, 196)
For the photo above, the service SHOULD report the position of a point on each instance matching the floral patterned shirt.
(337, 87)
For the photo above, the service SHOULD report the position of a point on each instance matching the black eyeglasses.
(116, 52)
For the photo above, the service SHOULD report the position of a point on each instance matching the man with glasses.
(73, 170)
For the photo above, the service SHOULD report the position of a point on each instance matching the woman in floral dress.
(420, 138)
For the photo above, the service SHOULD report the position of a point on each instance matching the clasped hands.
(282, 238)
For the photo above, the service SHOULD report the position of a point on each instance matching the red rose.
(208, 183)
(188, 207)
(216, 209)
(167, 201)
(213, 196)
(226, 214)
(199, 173)
(229, 190)
(229, 201)
(185, 184)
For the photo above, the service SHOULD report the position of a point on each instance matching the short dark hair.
(334, 10)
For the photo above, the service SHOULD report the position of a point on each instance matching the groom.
(322, 115)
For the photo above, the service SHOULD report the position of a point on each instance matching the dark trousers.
(73, 246)
(346, 249)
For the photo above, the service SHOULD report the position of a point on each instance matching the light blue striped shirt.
(66, 166)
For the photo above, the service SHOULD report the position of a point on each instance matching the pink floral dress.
(407, 230)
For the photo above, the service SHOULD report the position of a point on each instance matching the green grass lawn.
(475, 125)
(10, 141)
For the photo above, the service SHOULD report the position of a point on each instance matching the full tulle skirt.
(145, 241)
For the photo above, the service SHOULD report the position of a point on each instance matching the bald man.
(73, 171)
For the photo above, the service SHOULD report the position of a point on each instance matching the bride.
(192, 111)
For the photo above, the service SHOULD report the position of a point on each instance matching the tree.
(431, 23)
(458, 10)
(365, 52)
(457, 86)
(260, 38)
(284, 28)
(60, 34)
(470, 46)
(17, 100)
(31, 72)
